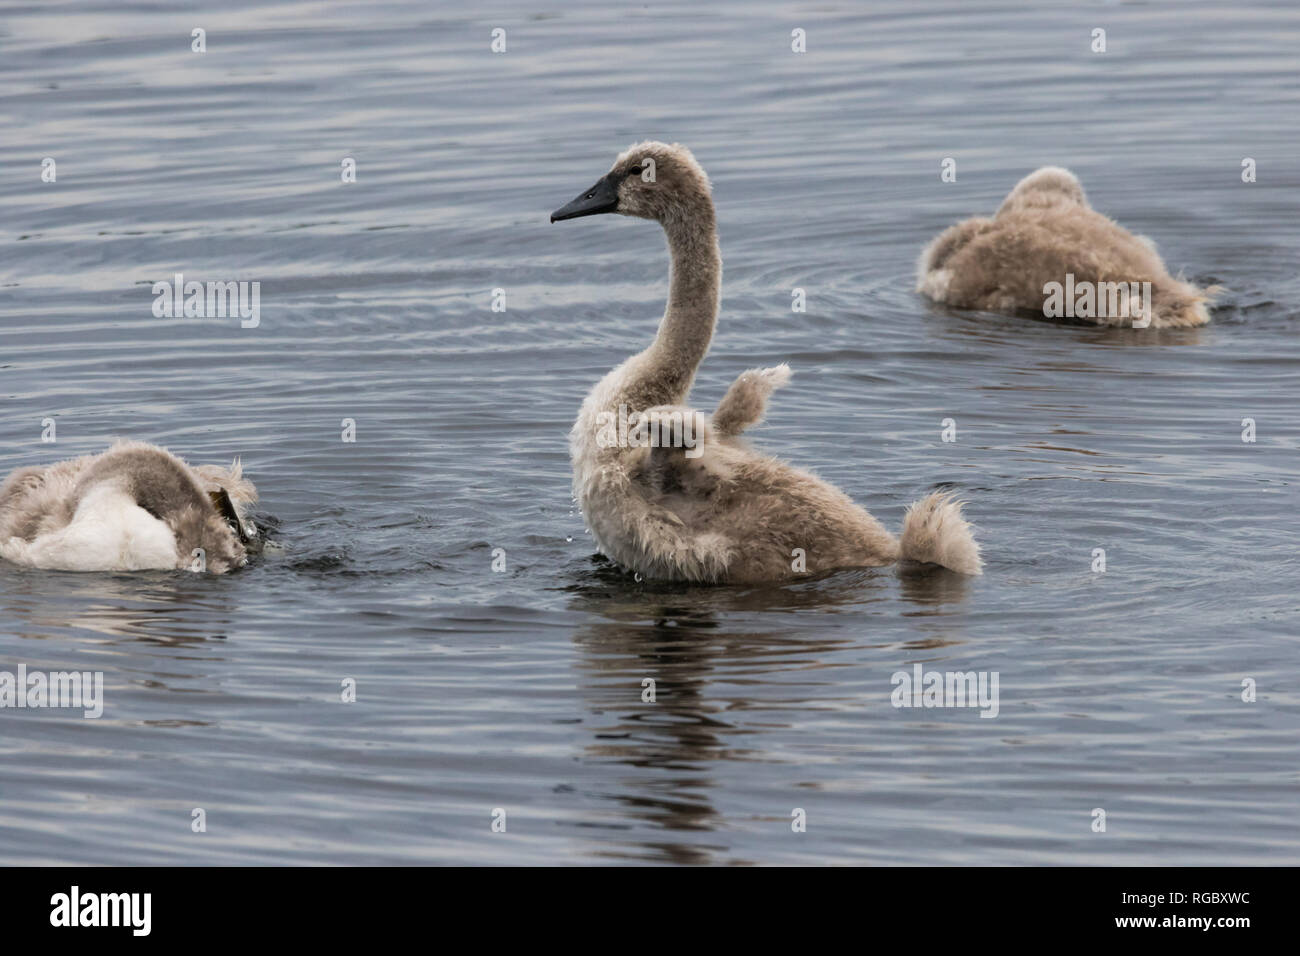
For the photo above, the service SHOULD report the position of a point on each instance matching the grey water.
(520, 688)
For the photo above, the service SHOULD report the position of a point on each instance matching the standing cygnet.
(1044, 233)
(134, 507)
(682, 497)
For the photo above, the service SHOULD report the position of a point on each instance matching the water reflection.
(166, 607)
(720, 686)
(989, 330)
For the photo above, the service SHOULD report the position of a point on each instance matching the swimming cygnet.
(1047, 251)
(132, 508)
(700, 504)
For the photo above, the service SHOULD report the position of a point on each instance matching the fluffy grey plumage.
(728, 513)
(133, 507)
(1044, 230)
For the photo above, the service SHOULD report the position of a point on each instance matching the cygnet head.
(650, 180)
(1047, 187)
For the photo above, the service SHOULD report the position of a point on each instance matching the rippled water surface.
(522, 689)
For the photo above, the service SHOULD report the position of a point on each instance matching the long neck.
(695, 282)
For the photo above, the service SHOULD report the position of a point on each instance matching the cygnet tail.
(934, 532)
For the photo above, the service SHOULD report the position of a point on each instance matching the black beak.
(226, 508)
(602, 197)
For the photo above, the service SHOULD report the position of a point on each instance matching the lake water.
(521, 689)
